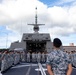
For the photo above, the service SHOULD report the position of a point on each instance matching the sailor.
(8, 61)
(0, 59)
(46, 54)
(16, 58)
(9, 58)
(58, 62)
(43, 57)
(11, 54)
(4, 61)
(74, 59)
(28, 57)
(33, 57)
(38, 57)
(71, 57)
(23, 56)
(14, 55)
(20, 56)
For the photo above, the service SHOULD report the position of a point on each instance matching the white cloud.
(58, 15)
(16, 14)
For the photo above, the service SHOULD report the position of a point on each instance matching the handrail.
(41, 69)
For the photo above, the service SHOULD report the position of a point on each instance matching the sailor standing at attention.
(58, 62)
(3, 61)
(74, 59)
(28, 57)
(39, 57)
(43, 57)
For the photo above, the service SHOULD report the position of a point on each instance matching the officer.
(58, 62)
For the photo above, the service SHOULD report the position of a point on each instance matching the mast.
(36, 25)
(36, 16)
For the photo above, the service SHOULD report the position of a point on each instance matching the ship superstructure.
(36, 42)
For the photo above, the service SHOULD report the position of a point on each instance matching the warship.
(34, 41)
(27, 63)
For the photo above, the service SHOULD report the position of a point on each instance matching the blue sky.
(59, 17)
(51, 3)
(48, 2)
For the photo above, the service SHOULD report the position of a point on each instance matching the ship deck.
(28, 69)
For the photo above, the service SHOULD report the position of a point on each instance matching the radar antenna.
(36, 25)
